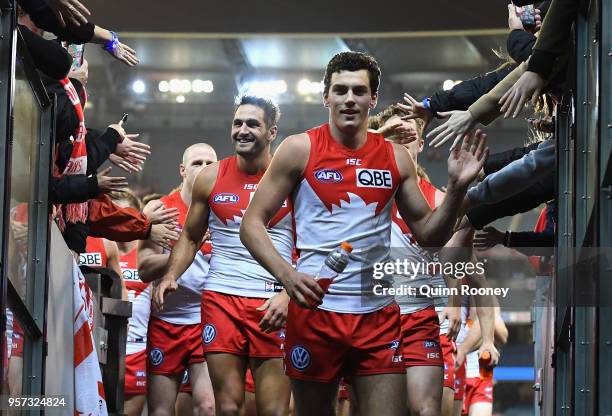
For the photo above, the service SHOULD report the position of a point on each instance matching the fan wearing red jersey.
(243, 307)
(343, 181)
(174, 338)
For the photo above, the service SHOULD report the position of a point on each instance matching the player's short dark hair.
(353, 61)
(270, 108)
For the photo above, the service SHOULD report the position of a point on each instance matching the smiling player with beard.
(242, 307)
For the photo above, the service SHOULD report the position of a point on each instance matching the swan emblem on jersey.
(300, 357)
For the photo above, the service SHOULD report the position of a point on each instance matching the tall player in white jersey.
(343, 180)
(241, 309)
(174, 339)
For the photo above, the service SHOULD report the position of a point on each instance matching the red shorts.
(477, 390)
(449, 353)
(249, 383)
(136, 373)
(460, 382)
(171, 348)
(421, 338)
(185, 386)
(322, 346)
(231, 325)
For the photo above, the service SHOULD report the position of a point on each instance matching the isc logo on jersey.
(374, 178)
(328, 176)
(225, 198)
(130, 274)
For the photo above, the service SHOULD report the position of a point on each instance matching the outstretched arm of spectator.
(499, 160)
(45, 18)
(49, 57)
(72, 189)
(554, 36)
(515, 177)
(530, 198)
(110, 221)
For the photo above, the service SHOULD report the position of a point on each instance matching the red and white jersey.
(233, 270)
(182, 307)
(404, 247)
(346, 195)
(95, 253)
(139, 293)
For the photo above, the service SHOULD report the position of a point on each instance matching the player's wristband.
(112, 45)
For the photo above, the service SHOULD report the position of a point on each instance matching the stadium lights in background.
(449, 83)
(186, 86)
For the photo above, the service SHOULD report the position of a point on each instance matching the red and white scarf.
(77, 165)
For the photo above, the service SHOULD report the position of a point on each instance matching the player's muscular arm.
(196, 224)
(280, 179)
(151, 261)
(189, 242)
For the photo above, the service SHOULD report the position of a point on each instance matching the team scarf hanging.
(77, 165)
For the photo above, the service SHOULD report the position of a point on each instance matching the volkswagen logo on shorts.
(185, 378)
(156, 356)
(209, 333)
(395, 344)
(300, 357)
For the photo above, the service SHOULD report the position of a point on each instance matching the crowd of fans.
(89, 203)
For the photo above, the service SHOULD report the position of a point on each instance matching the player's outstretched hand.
(276, 312)
(164, 235)
(157, 213)
(165, 286)
(304, 290)
(398, 133)
(466, 161)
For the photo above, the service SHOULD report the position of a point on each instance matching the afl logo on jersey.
(328, 176)
(209, 333)
(157, 357)
(226, 198)
(300, 357)
(374, 178)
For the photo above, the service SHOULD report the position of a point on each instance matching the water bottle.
(484, 366)
(334, 264)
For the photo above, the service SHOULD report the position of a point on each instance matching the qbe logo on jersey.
(156, 356)
(374, 178)
(209, 333)
(226, 198)
(300, 357)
